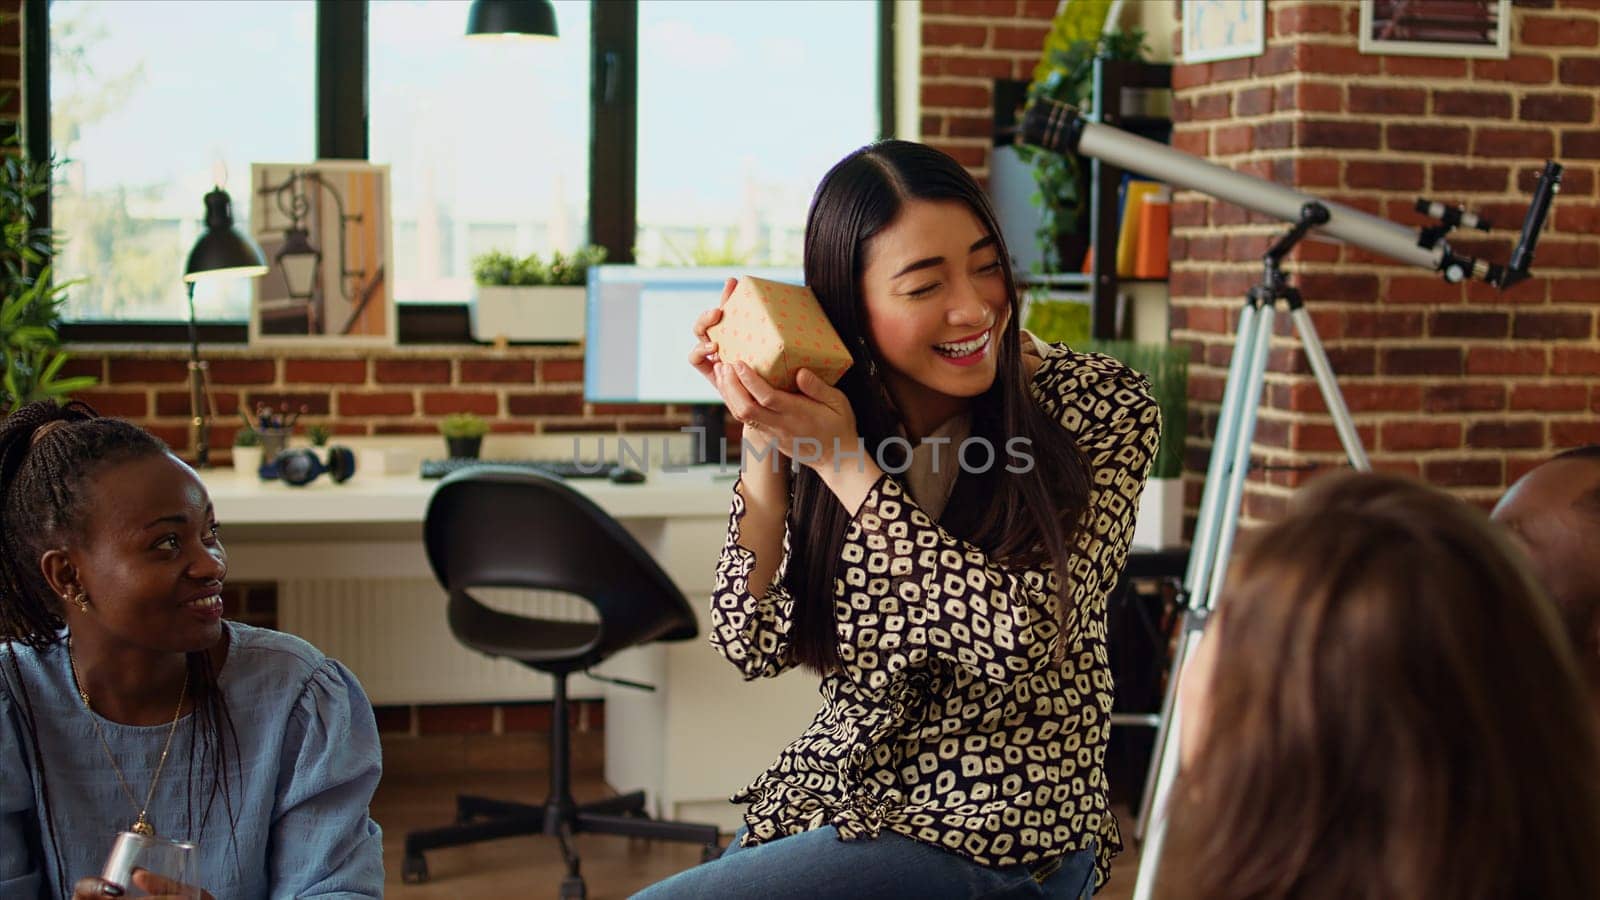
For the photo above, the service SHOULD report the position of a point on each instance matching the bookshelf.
(1116, 104)
(1113, 82)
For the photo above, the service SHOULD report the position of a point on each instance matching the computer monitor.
(639, 331)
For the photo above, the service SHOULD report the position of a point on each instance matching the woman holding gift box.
(955, 608)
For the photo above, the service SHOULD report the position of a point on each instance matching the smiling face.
(149, 558)
(936, 308)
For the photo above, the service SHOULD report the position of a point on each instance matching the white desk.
(353, 579)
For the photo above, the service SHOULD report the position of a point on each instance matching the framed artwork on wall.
(1223, 29)
(325, 228)
(1454, 28)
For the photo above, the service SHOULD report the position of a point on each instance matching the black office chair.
(511, 528)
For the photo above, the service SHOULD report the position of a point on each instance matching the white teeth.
(212, 602)
(965, 348)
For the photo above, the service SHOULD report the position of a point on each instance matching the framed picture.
(1454, 28)
(1223, 29)
(326, 230)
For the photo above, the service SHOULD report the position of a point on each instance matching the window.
(742, 108)
(150, 102)
(487, 140)
(492, 146)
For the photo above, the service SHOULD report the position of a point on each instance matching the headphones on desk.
(300, 466)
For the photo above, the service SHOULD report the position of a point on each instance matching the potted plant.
(531, 298)
(1065, 73)
(30, 307)
(463, 434)
(1160, 517)
(247, 450)
(319, 435)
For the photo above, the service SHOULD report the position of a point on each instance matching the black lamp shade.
(222, 250)
(504, 18)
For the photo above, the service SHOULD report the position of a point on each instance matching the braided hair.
(49, 454)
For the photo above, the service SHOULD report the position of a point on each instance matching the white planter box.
(247, 459)
(1160, 519)
(527, 313)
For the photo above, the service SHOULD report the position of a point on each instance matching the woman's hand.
(814, 426)
(811, 426)
(161, 888)
(704, 355)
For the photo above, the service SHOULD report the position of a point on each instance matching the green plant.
(463, 425)
(319, 435)
(1065, 73)
(1167, 368)
(30, 305)
(246, 437)
(500, 269)
(1056, 319)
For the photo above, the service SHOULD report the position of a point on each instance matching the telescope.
(1059, 127)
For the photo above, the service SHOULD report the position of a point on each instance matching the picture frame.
(1451, 28)
(1223, 29)
(326, 229)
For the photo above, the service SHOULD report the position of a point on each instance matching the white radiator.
(393, 634)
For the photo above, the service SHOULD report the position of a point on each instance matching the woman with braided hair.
(128, 703)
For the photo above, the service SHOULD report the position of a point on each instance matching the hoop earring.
(81, 599)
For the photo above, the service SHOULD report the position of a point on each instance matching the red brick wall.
(966, 45)
(1463, 386)
(533, 390)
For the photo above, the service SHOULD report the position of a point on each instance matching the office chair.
(514, 528)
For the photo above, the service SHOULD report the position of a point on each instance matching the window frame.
(342, 112)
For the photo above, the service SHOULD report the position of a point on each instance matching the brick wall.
(528, 390)
(966, 45)
(1463, 386)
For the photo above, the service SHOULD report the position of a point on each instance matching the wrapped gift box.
(779, 329)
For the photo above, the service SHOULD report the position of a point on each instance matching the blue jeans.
(817, 865)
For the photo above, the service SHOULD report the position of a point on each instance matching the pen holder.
(273, 442)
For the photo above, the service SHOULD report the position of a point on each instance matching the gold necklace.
(142, 824)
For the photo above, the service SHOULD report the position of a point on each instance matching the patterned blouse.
(950, 720)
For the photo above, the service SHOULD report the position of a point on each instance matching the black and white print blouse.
(950, 720)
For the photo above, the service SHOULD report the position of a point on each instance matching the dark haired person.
(1384, 707)
(956, 612)
(128, 703)
(1553, 512)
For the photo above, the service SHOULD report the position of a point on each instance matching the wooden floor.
(531, 867)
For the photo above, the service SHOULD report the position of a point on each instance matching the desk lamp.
(221, 252)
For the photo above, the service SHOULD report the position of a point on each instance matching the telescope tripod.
(1220, 503)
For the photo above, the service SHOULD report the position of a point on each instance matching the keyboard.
(561, 468)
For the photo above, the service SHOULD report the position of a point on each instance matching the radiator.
(393, 634)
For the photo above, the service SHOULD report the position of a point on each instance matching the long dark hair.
(1027, 517)
(43, 501)
(1394, 713)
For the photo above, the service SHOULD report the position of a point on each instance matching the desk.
(354, 580)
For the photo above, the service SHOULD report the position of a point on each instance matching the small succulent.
(463, 425)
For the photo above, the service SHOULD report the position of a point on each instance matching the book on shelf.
(1153, 234)
(1135, 194)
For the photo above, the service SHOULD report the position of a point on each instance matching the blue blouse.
(307, 752)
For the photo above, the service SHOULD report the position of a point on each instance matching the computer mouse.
(625, 475)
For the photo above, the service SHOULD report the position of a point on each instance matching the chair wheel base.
(572, 888)
(414, 869)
